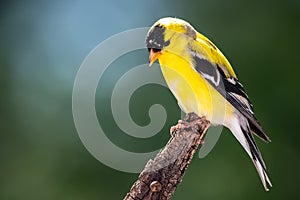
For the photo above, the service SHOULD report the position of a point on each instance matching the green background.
(42, 46)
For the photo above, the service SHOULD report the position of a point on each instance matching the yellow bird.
(203, 81)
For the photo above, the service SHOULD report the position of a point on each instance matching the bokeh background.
(42, 46)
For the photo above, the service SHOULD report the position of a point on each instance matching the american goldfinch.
(203, 81)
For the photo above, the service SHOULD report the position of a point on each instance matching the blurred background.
(42, 46)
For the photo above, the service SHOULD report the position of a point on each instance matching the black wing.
(232, 90)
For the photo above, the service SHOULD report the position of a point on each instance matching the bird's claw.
(176, 127)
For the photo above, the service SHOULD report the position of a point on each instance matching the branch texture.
(161, 176)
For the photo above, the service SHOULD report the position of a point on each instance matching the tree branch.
(161, 176)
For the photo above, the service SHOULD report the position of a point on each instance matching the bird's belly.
(194, 94)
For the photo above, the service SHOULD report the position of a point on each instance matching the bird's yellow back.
(185, 34)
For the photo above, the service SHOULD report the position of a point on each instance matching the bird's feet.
(176, 127)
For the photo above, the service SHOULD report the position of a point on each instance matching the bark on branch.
(161, 176)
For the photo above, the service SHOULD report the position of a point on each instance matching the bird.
(204, 82)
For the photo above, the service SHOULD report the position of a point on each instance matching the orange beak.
(153, 56)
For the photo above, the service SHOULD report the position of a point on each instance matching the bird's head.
(170, 35)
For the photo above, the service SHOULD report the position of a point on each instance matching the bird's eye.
(156, 50)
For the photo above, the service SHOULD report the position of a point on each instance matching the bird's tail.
(240, 129)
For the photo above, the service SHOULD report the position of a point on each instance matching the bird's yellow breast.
(193, 93)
